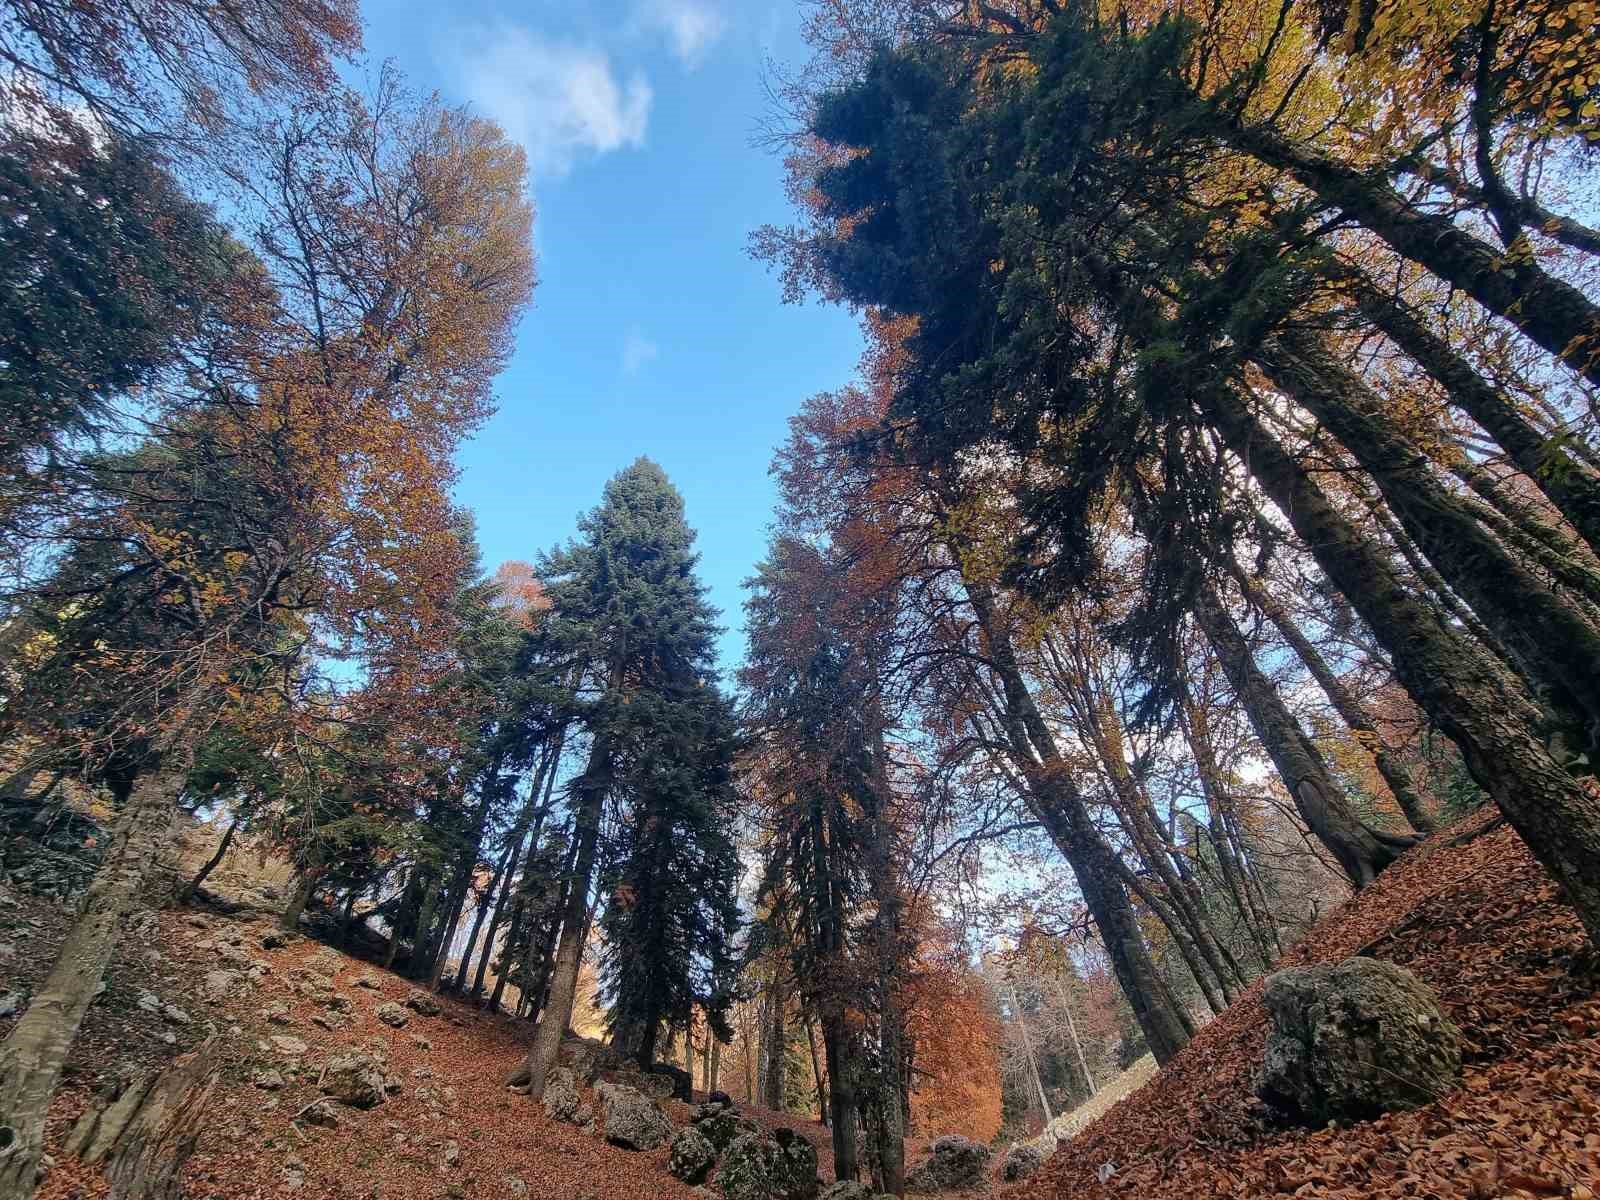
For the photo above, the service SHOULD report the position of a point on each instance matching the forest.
(1161, 754)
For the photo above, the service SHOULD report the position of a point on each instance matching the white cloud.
(560, 101)
(637, 350)
(691, 27)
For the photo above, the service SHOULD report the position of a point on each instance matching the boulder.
(269, 1081)
(562, 1102)
(721, 1126)
(721, 1098)
(355, 1078)
(421, 1002)
(218, 986)
(391, 1013)
(1020, 1162)
(633, 1120)
(780, 1167)
(692, 1156)
(587, 1057)
(1352, 1040)
(289, 1047)
(372, 983)
(650, 1083)
(953, 1162)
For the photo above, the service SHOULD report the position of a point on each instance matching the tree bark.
(1467, 694)
(589, 793)
(1360, 850)
(1559, 646)
(34, 1052)
(1033, 1062)
(1569, 485)
(1350, 710)
(147, 1133)
(1056, 803)
(1553, 313)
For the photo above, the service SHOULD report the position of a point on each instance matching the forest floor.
(1474, 916)
(1469, 911)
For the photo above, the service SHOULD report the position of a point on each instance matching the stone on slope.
(953, 1162)
(1020, 1162)
(1353, 1040)
(423, 1003)
(780, 1167)
(356, 1079)
(633, 1120)
(562, 1102)
(692, 1156)
(392, 1014)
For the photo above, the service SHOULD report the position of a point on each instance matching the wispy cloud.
(637, 350)
(561, 101)
(691, 27)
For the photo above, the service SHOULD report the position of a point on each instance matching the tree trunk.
(1550, 311)
(1077, 1043)
(1569, 485)
(589, 793)
(1360, 850)
(1469, 696)
(816, 1070)
(147, 1133)
(889, 952)
(305, 882)
(1350, 710)
(1033, 1063)
(1055, 802)
(777, 1049)
(480, 914)
(193, 886)
(35, 1050)
(1560, 647)
(713, 1064)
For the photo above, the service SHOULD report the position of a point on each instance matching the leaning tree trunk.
(305, 882)
(1360, 850)
(1477, 704)
(1350, 710)
(192, 888)
(147, 1132)
(1053, 798)
(590, 792)
(1550, 311)
(1559, 645)
(1571, 486)
(36, 1049)
(1033, 1062)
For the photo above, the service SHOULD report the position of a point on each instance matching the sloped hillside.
(1476, 918)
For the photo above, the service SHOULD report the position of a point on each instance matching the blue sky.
(652, 331)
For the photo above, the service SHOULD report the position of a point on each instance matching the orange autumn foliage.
(956, 1032)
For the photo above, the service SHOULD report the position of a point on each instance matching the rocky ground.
(1473, 916)
(340, 1080)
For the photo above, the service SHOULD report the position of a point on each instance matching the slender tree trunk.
(589, 794)
(889, 952)
(34, 1052)
(191, 888)
(1360, 850)
(816, 1071)
(480, 914)
(1033, 1062)
(305, 882)
(1077, 1043)
(713, 1064)
(1350, 710)
(1468, 695)
(1571, 486)
(1553, 638)
(1054, 800)
(1550, 311)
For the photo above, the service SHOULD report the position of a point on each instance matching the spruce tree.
(636, 633)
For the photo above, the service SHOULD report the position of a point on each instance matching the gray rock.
(268, 1081)
(291, 1047)
(277, 1013)
(275, 939)
(218, 986)
(1020, 1162)
(421, 1002)
(518, 1187)
(355, 1078)
(452, 1153)
(692, 1156)
(633, 1120)
(1352, 1040)
(953, 1162)
(587, 1057)
(391, 1013)
(11, 1003)
(780, 1167)
(657, 1087)
(562, 1101)
(339, 1003)
(849, 1189)
(372, 983)
(721, 1128)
